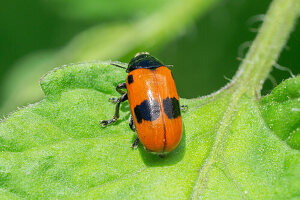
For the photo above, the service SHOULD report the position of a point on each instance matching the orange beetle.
(154, 104)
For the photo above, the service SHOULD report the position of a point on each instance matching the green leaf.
(56, 148)
(231, 148)
(281, 111)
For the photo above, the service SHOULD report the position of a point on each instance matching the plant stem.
(278, 23)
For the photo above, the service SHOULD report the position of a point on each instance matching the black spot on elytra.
(130, 79)
(147, 110)
(171, 107)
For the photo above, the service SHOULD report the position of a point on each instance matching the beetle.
(154, 104)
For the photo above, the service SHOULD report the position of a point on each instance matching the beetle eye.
(130, 79)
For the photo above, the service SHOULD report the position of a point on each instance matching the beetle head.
(143, 60)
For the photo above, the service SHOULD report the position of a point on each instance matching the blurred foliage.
(220, 36)
(109, 10)
(113, 40)
(31, 26)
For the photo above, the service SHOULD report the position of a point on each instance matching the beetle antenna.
(168, 66)
(116, 65)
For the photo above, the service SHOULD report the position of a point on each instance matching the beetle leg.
(120, 91)
(120, 87)
(113, 99)
(116, 115)
(131, 123)
(184, 107)
(132, 126)
(135, 143)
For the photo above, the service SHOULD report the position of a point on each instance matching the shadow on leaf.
(153, 160)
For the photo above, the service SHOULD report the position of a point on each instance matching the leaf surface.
(57, 149)
(281, 111)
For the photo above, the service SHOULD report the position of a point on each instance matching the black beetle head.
(143, 60)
